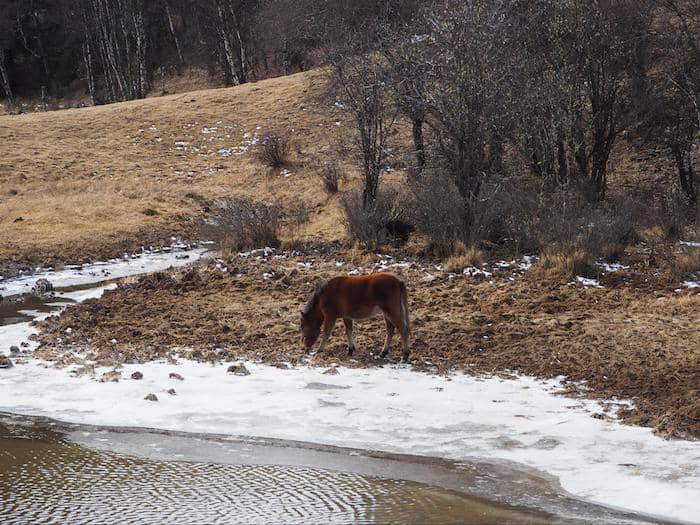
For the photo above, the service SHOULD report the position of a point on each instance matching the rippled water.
(54, 481)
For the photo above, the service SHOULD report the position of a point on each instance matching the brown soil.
(623, 342)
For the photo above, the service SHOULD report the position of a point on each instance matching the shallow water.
(46, 479)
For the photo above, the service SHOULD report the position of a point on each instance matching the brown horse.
(356, 297)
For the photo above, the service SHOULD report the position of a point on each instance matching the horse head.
(310, 329)
(311, 319)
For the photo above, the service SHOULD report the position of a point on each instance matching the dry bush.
(438, 212)
(554, 267)
(240, 223)
(295, 218)
(273, 149)
(686, 263)
(330, 174)
(369, 225)
(464, 256)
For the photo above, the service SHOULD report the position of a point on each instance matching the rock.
(42, 288)
(5, 362)
(172, 392)
(14, 349)
(151, 397)
(111, 377)
(332, 371)
(175, 375)
(137, 375)
(238, 370)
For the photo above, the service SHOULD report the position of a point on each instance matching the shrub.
(686, 263)
(295, 218)
(273, 149)
(330, 175)
(464, 257)
(240, 223)
(369, 225)
(553, 267)
(438, 212)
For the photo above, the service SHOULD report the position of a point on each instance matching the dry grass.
(83, 177)
(464, 257)
(686, 262)
(554, 267)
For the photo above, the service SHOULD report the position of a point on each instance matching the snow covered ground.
(136, 264)
(392, 409)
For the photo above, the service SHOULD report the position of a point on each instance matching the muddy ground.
(618, 341)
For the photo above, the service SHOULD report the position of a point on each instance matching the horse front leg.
(328, 324)
(390, 328)
(348, 333)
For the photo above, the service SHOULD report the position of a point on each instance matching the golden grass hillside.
(75, 184)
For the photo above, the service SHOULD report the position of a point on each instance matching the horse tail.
(404, 308)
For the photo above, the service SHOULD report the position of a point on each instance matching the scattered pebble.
(151, 397)
(137, 375)
(332, 371)
(238, 370)
(172, 392)
(14, 349)
(5, 361)
(111, 377)
(175, 375)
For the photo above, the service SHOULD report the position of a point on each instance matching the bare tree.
(463, 96)
(360, 84)
(670, 115)
(409, 77)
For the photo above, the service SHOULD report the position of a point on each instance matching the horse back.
(358, 296)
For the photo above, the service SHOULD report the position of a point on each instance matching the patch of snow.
(260, 253)
(528, 261)
(694, 244)
(691, 284)
(286, 173)
(148, 261)
(613, 267)
(586, 282)
(471, 271)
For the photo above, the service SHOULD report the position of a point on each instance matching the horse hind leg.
(348, 333)
(390, 328)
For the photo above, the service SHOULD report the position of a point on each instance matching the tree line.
(115, 49)
(553, 83)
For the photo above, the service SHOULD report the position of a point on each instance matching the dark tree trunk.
(4, 77)
(686, 174)
(418, 142)
(171, 26)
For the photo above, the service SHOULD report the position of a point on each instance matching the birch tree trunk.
(171, 25)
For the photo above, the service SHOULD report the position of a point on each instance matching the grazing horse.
(356, 297)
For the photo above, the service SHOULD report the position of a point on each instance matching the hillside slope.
(75, 184)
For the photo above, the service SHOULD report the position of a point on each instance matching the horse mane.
(311, 303)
